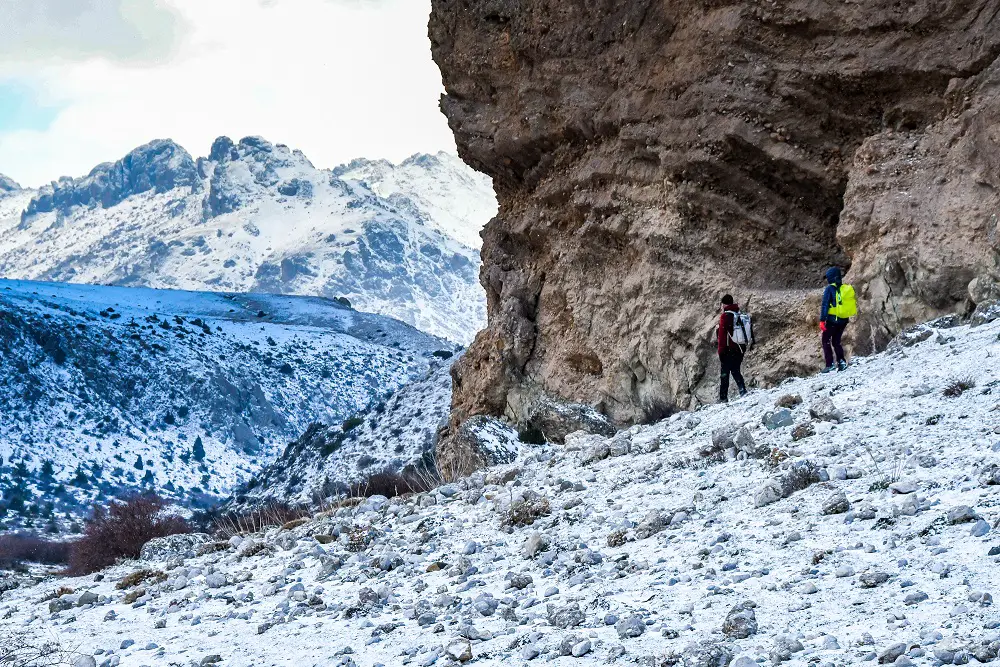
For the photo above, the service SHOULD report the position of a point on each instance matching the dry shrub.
(958, 386)
(139, 576)
(20, 649)
(788, 401)
(120, 531)
(776, 457)
(390, 483)
(617, 538)
(132, 596)
(525, 511)
(212, 547)
(57, 593)
(18, 548)
(359, 538)
(295, 523)
(256, 549)
(257, 519)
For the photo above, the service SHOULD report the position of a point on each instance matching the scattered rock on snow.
(556, 419)
(630, 627)
(836, 504)
(784, 647)
(889, 655)
(535, 543)
(489, 439)
(173, 546)
(825, 410)
(903, 487)
(706, 654)
(872, 579)
(961, 514)
(780, 418)
(568, 616)
(741, 621)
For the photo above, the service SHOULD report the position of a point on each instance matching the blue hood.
(833, 275)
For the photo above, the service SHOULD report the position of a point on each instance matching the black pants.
(731, 362)
(831, 342)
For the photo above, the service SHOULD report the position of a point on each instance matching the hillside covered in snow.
(106, 389)
(252, 216)
(841, 519)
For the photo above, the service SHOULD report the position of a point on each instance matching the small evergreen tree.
(198, 452)
(80, 478)
(138, 462)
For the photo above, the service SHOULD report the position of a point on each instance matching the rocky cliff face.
(650, 156)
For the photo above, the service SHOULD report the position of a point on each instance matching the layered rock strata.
(650, 156)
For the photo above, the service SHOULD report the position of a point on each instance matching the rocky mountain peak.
(8, 184)
(159, 166)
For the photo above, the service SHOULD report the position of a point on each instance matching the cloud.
(334, 79)
(122, 30)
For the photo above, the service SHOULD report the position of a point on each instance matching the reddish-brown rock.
(651, 155)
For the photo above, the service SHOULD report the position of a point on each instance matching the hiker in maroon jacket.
(730, 352)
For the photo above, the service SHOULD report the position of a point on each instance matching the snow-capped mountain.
(259, 217)
(8, 184)
(187, 393)
(441, 186)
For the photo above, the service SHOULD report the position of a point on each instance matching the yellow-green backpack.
(847, 304)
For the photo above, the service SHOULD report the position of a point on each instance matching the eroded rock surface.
(650, 156)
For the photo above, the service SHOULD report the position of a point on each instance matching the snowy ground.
(652, 537)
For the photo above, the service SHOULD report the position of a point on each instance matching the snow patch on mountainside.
(259, 217)
(441, 186)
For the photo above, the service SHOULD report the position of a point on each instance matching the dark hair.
(727, 300)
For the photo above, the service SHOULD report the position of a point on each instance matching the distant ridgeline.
(400, 240)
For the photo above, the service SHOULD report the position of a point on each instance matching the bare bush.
(120, 531)
(19, 649)
(390, 484)
(958, 386)
(20, 548)
(257, 519)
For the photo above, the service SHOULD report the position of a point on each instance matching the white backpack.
(742, 329)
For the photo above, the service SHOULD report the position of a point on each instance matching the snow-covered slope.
(259, 217)
(126, 384)
(872, 535)
(397, 434)
(450, 195)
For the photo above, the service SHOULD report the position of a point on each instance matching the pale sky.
(85, 81)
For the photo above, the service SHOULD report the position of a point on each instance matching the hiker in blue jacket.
(831, 322)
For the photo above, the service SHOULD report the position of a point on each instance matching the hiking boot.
(743, 392)
(841, 365)
(829, 369)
